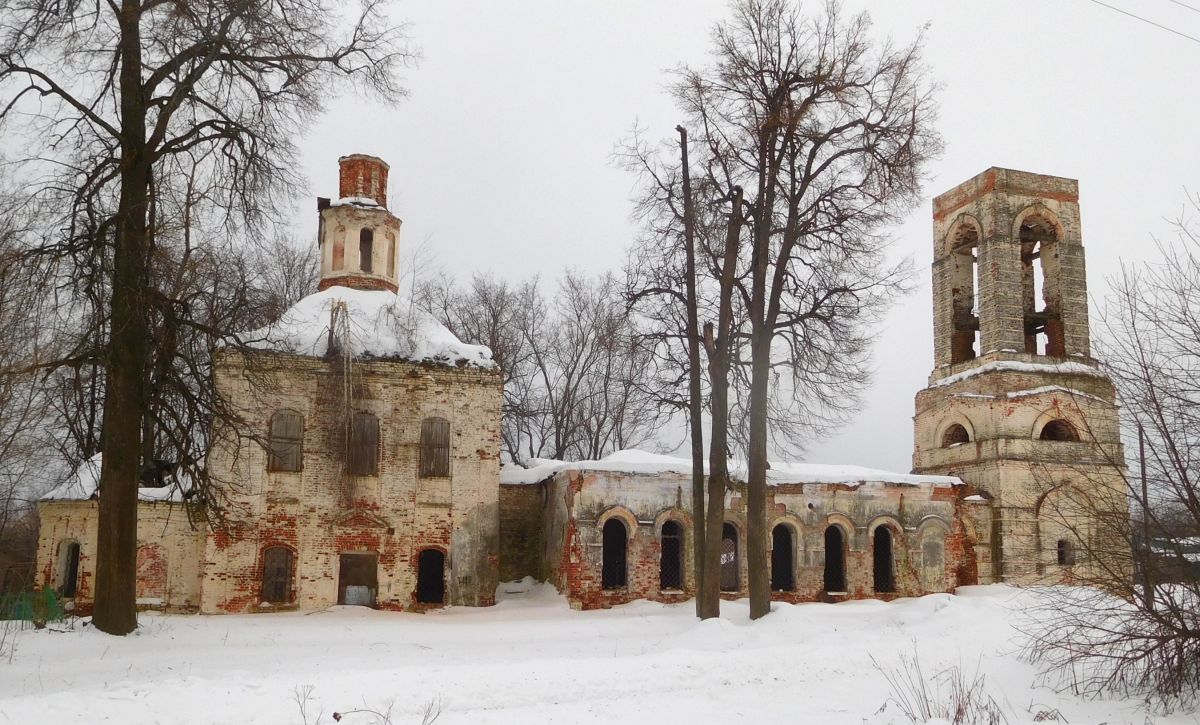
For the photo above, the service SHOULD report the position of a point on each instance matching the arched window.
(435, 447)
(1066, 553)
(1040, 286)
(964, 271)
(431, 577)
(884, 569)
(1058, 430)
(613, 562)
(277, 575)
(955, 435)
(364, 445)
(287, 441)
(68, 568)
(730, 571)
(670, 570)
(835, 559)
(366, 250)
(783, 570)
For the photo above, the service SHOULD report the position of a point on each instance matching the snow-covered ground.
(530, 659)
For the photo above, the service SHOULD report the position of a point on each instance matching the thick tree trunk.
(718, 477)
(758, 564)
(115, 609)
(761, 324)
(718, 366)
(695, 404)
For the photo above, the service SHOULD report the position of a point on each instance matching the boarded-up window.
(287, 441)
(364, 445)
(277, 575)
(435, 447)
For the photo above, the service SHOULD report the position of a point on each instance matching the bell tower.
(1015, 405)
(359, 237)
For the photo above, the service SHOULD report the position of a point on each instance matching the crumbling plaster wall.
(580, 502)
(169, 552)
(320, 513)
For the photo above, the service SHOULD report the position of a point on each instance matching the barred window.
(670, 574)
(287, 441)
(364, 445)
(277, 575)
(435, 447)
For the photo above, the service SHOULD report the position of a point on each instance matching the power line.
(1185, 5)
(1160, 26)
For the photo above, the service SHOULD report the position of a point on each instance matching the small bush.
(948, 695)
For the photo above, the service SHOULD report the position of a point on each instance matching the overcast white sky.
(501, 157)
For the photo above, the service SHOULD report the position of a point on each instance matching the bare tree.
(825, 134)
(26, 468)
(1135, 627)
(571, 365)
(121, 95)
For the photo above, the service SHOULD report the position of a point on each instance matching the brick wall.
(916, 514)
(321, 513)
(522, 532)
(169, 552)
(363, 176)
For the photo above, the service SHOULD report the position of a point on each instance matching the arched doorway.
(670, 574)
(783, 570)
(431, 577)
(885, 578)
(835, 559)
(730, 574)
(613, 564)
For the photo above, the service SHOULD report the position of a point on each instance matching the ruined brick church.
(374, 475)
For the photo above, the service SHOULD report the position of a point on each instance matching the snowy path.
(531, 659)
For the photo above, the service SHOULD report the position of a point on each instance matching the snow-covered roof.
(1016, 394)
(380, 325)
(354, 201)
(635, 461)
(1072, 368)
(83, 484)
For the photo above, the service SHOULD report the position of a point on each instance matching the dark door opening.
(616, 541)
(70, 570)
(670, 575)
(835, 559)
(358, 579)
(730, 576)
(431, 577)
(885, 580)
(783, 572)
